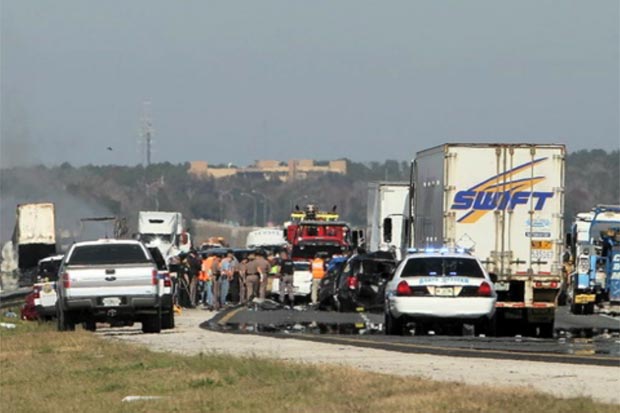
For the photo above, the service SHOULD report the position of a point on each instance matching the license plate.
(111, 301)
(585, 298)
(444, 291)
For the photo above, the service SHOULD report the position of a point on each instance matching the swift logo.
(500, 192)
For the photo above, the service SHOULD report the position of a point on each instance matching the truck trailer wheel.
(64, 320)
(545, 330)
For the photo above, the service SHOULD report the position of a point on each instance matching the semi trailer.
(504, 203)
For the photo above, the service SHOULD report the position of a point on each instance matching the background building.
(294, 169)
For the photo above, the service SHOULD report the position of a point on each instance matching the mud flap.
(540, 315)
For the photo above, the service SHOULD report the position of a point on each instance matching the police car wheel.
(393, 326)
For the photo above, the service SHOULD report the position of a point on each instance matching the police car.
(438, 289)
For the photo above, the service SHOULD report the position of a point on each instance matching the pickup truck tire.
(152, 324)
(64, 320)
(90, 326)
(167, 320)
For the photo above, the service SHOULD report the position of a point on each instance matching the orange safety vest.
(205, 268)
(318, 268)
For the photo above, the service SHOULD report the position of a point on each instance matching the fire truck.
(313, 232)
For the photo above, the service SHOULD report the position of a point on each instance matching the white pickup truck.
(111, 281)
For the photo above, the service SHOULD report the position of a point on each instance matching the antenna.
(147, 132)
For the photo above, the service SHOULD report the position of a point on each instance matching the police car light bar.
(442, 250)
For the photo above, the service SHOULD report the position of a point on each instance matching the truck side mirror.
(387, 230)
(493, 277)
(569, 240)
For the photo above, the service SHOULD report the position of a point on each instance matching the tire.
(64, 320)
(546, 330)
(151, 324)
(576, 309)
(393, 326)
(487, 327)
(167, 320)
(89, 325)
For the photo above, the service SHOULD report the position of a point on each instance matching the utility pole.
(147, 132)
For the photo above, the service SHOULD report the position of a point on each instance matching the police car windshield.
(440, 266)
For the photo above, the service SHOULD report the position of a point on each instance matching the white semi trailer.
(387, 212)
(505, 203)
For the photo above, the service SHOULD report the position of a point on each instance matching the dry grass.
(45, 371)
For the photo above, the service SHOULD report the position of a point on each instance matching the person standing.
(318, 272)
(214, 274)
(264, 268)
(207, 282)
(252, 278)
(227, 269)
(287, 273)
(194, 265)
(241, 273)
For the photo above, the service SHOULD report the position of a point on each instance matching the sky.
(235, 81)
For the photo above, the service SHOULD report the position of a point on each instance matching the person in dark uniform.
(194, 263)
(287, 273)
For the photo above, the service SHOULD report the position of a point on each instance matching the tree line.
(592, 177)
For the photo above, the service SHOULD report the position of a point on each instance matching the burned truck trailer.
(34, 237)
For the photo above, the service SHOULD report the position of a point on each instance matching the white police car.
(443, 287)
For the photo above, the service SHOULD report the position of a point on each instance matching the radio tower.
(147, 132)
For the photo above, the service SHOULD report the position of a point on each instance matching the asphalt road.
(364, 330)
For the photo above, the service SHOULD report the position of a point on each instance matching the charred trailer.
(34, 238)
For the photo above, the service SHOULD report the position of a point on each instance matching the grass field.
(45, 371)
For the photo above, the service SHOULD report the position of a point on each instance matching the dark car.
(328, 284)
(360, 284)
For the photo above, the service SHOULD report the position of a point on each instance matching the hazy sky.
(234, 81)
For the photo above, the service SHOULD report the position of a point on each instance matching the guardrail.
(14, 298)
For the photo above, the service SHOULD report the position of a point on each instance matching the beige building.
(292, 170)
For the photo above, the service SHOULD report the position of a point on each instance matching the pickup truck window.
(108, 254)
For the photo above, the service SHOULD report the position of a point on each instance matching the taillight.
(352, 282)
(403, 289)
(154, 277)
(485, 289)
(167, 280)
(538, 284)
(554, 284)
(66, 280)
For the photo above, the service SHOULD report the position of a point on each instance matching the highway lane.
(364, 330)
